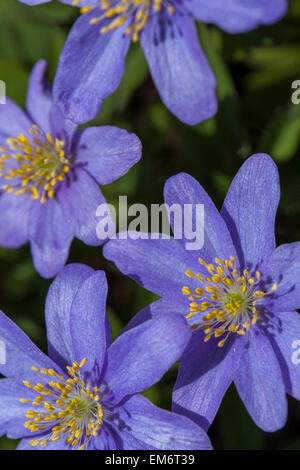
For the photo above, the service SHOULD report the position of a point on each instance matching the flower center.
(229, 301)
(33, 166)
(136, 12)
(71, 410)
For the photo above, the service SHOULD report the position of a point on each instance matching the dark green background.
(255, 72)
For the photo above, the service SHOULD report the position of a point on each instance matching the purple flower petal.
(183, 189)
(50, 237)
(287, 338)
(57, 311)
(39, 96)
(79, 202)
(13, 121)
(21, 353)
(34, 2)
(157, 265)
(107, 153)
(259, 383)
(204, 375)
(87, 322)
(238, 16)
(14, 216)
(160, 429)
(90, 68)
(283, 267)
(12, 412)
(59, 445)
(249, 209)
(141, 356)
(179, 67)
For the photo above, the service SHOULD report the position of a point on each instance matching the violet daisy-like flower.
(239, 294)
(92, 61)
(85, 395)
(50, 175)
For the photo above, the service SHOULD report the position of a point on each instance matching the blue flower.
(50, 175)
(239, 294)
(92, 61)
(85, 394)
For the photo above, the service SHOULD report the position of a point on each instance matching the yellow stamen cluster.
(227, 300)
(33, 165)
(118, 12)
(67, 408)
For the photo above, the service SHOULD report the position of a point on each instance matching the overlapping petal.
(142, 355)
(159, 429)
(204, 376)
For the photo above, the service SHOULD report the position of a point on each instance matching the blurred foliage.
(255, 72)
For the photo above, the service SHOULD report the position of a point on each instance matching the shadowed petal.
(204, 375)
(179, 67)
(141, 356)
(249, 210)
(160, 429)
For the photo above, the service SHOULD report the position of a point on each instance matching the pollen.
(135, 13)
(227, 301)
(64, 408)
(33, 165)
